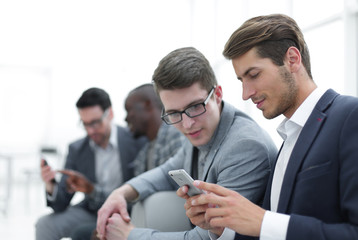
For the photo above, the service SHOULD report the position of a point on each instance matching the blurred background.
(51, 51)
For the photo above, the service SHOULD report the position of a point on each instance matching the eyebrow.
(189, 105)
(247, 72)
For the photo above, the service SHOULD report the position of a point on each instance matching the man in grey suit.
(95, 165)
(230, 148)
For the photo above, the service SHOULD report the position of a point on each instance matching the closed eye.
(254, 76)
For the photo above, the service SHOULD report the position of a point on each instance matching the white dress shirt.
(107, 164)
(274, 225)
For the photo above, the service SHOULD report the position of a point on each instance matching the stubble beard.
(288, 96)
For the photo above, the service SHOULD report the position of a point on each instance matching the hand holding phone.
(182, 178)
(46, 164)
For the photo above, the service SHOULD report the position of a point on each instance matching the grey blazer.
(81, 158)
(239, 159)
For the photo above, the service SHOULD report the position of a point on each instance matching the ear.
(218, 92)
(148, 105)
(293, 59)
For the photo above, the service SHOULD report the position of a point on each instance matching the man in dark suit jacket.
(95, 165)
(313, 190)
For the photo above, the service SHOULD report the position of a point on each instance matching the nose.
(247, 90)
(187, 121)
(90, 130)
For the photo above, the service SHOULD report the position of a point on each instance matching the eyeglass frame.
(94, 124)
(164, 116)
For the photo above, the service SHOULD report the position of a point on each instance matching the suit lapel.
(124, 148)
(226, 120)
(208, 162)
(188, 165)
(267, 198)
(87, 157)
(307, 136)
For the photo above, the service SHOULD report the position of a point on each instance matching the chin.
(198, 142)
(270, 115)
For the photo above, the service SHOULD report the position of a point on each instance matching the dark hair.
(182, 68)
(92, 97)
(146, 92)
(272, 35)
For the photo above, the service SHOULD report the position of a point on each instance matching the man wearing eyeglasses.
(95, 165)
(223, 145)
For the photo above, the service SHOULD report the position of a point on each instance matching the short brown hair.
(182, 68)
(272, 35)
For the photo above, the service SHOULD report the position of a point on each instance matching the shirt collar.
(113, 137)
(303, 112)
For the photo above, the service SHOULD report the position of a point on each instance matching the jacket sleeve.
(63, 198)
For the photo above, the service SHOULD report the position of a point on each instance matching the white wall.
(51, 51)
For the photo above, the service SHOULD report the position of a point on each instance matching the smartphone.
(181, 177)
(45, 164)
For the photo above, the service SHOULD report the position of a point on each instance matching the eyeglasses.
(192, 111)
(95, 124)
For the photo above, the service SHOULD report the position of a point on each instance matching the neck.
(104, 144)
(305, 88)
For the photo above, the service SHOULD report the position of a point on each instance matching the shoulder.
(235, 118)
(123, 131)
(333, 100)
(345, 103)
(338, 107)
(79, 144)
(244, 131)
(244, 127)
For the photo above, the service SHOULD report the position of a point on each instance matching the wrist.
(128, 192)
(131, 227)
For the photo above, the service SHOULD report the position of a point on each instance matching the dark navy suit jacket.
(320, 186)
(81, 158)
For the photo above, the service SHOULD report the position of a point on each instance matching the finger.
(46, 170)
(217, 212)
(219, 222)
(212, 188)
(105, 213)
(43, 162)
(197, 210)
(198, 219)
(210, 200)
(188, 204)
(102, 217)
(48, 177)
(115, 219)
(182, 192)
(124, 214)
(67, 172)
